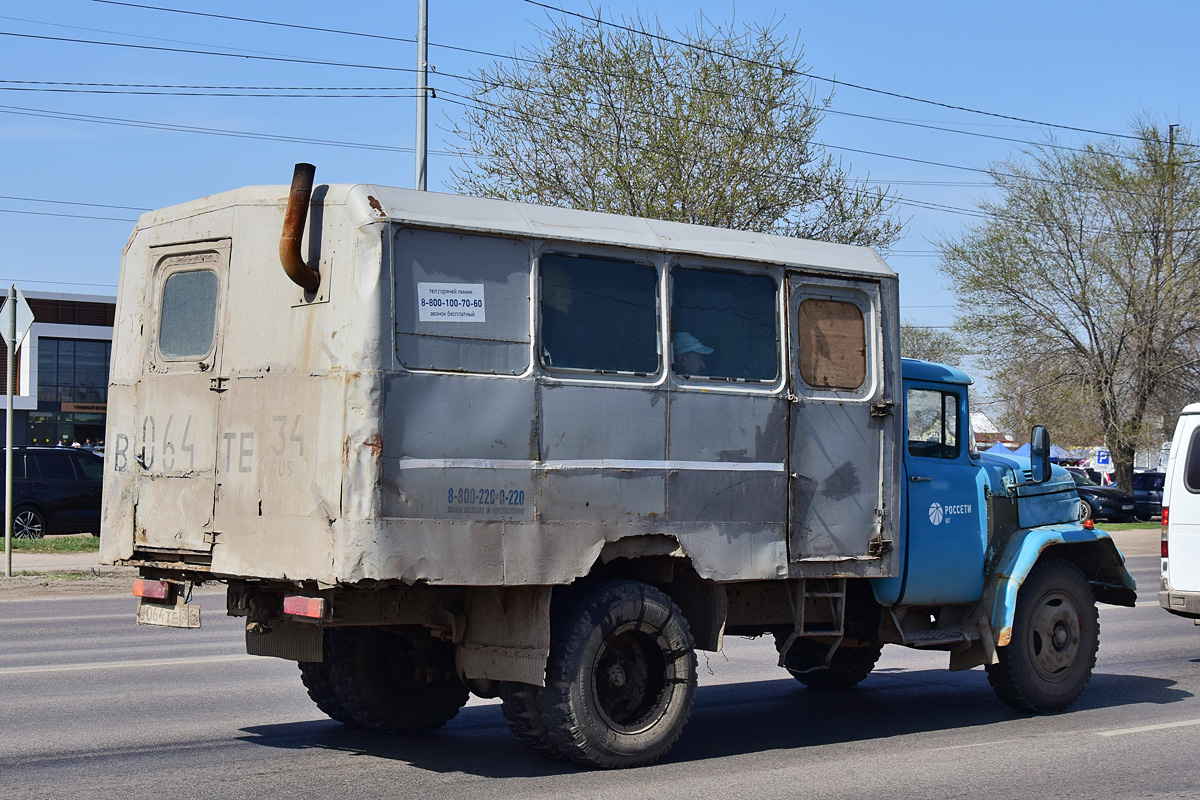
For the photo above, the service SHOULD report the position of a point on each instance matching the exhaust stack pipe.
(293, 230)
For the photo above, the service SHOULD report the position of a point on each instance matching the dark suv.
(1148, 492)
(55, 490)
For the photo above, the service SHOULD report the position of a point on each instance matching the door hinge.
(877, 547)
(210, 537)
(218, 384)
(882, 409)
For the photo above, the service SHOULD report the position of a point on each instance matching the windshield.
(1083, 480)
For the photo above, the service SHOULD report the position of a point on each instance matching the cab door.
(946, 535)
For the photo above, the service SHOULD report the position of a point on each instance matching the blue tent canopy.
(999, 449)
(1022, 451)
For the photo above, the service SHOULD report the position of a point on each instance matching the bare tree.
(713, 127)
(931, 344)
(1084, 283)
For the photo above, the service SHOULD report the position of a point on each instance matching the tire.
(317, 680)
(1085, 510)
(394, 682)
(519, 704)
(1056, 632)
(28, 523)
(849, 667)
(621, 676)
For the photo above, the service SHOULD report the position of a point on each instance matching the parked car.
(1102, 502)
(55, 490)
(1148, 493)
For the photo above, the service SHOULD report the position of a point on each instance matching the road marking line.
(975, 744)
(1122, 731)
(157, 662)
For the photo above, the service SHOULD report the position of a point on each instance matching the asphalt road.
(93, 706)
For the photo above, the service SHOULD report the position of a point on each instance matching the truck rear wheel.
(1056, 633)
(319, 683)
(519, 704)
(621, 676)
(394, 682)
(850, 666)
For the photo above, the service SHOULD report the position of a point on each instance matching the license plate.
(179, 615)
(1127, 508)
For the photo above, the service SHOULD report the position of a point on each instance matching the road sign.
(1103, 459)
(24, 319)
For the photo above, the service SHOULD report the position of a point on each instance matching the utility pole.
(1168, 252)
(422, 91)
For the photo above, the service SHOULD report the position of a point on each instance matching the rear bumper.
(1184, 604)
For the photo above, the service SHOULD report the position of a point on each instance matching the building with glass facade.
(61, 371)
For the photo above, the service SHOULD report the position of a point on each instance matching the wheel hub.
(615, 675)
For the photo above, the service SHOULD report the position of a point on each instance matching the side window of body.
(932, 421)
(1191, 467)
(599, 315)
(724, 325)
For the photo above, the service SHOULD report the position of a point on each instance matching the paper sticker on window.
(450, 302)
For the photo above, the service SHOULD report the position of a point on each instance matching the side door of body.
(839, 481)
(946, 531)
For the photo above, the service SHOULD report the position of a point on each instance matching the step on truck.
(438, 445)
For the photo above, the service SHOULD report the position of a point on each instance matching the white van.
(1179, 592)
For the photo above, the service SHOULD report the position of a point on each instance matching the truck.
(437, 446)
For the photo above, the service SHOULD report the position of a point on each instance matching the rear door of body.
(170, 443)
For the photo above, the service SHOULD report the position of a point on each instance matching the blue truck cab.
(992, 550)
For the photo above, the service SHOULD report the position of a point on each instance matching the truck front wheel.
(394, 681)
(1056, 633)
(621, 676)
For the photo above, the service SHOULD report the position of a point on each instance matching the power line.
(69, 216)
(71, 203)
(150, 93)
(834, 81)
(157, 48)
(275, 23)
(58, 283)
(134, 123)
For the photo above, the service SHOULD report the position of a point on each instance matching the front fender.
(1093, 551)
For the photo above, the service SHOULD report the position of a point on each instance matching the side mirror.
(1039, 454)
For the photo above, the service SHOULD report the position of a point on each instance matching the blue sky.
(1093, 65)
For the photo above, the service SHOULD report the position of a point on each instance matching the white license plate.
(179, 615)
(1127, 508)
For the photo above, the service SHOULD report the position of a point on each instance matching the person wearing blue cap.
(689, 354)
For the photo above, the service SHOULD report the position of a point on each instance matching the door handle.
(919, 478)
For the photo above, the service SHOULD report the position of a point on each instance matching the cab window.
(932, 423)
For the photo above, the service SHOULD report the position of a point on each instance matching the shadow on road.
(729, 720)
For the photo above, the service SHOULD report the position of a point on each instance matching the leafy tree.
(1084, 284)
(715, 128)
(930, 344)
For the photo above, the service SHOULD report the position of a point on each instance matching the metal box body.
(371, 431)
